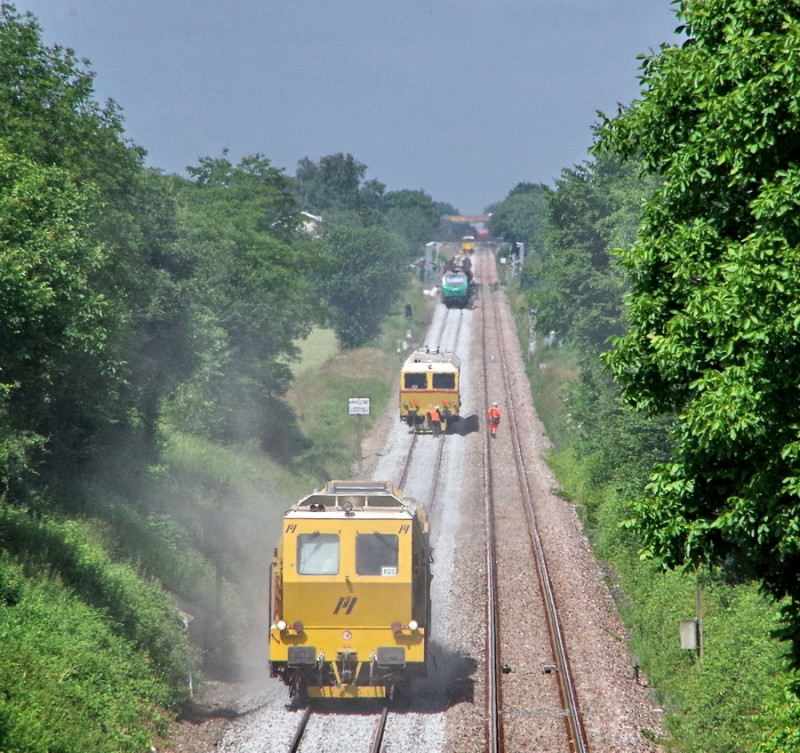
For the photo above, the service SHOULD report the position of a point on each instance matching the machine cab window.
(318, 554)
(376, 554)
(444, 381)
(415, 381)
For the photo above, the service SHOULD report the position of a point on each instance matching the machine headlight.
(281, 625)
(413, 625)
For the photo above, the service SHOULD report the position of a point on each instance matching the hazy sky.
(462, 99)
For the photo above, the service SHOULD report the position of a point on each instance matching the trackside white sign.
(359, 406)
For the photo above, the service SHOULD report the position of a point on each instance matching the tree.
(53, 349)
(365, 275)
(252, 297)
(714, 309)
(48, 111)
(336, 184)
(522, 216)
(412, 215)
(48, 116)
(578, 288)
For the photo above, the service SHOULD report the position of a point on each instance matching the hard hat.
(494, 404)
(437, 407)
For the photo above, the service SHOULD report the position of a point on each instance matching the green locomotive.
(457, 287)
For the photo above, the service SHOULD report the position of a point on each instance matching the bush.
(71, 683)
(137, 611)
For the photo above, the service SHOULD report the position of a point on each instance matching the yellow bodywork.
(352, 621)
(429, 379)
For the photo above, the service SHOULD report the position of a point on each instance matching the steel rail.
(575, 727)
(294, 746)
(493, 695)
(401, 483)
(377, 738)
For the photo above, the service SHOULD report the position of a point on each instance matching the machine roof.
(380, 498)
(428, 356)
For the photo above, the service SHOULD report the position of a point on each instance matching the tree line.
(129, 296)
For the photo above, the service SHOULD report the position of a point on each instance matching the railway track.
(343, 726)
(507, 721)
(448, 334)
(432, 496)
(519, 700)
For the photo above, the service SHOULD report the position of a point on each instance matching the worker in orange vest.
(435, 421)
(494, 419)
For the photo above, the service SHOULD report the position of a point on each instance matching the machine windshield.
(415, 381)
(376, 554)
(318, 554)
(446, 381)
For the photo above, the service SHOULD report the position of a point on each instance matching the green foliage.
(48, 113)
(785, 734)
(336, 184)
(53, 346)
(594, 209)
(78, 200)
(411, 215)
(364, 277)
(721, 703)
(140, 612)
(337, 189)
(252, 299)
(106, 698)
(715, 302)
(522, 216)
(151, 272)
(72, 629)
(616, 444)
